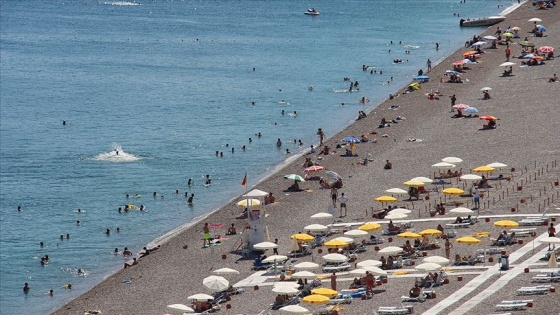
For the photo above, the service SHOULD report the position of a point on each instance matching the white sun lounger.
(517, 301)
(531, 221)
(546, 278)
(511, 307)
(458, 225)
(394, 310)
(523, 232)
(337, 268)
(541, 289)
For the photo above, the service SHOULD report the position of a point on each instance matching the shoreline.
(222, 213)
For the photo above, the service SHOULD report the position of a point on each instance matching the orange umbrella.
(488, 117)
(459, 63)
(470, 53)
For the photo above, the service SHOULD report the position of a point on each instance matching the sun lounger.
(458, 225)
(337, 268)
(292, 301)
(343, 300)
(511, 307)
(306, 251)
(546, 278)
(541, 289)
(523, 232)
(375, 240)
(395, 310)
(516, 301)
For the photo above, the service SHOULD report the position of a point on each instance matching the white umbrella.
(315, 227)
(423, 179)
(508, 64)
(480, 43)
(436, 260)
(376, 270)
(265, 246)
(322, 215)
(395, 216)
(497, 165)
(303, 275)
(443, 165)
(285, 290)
(181, 307)
(550, 240)
(201, 297)
(344, 239)
(390, 250)
(452, 159)
(535, 20)
(333, 175)
(356, 233)
(428, 267)
(225, 271)
(256, 193)
(306, 265)
(397, 191)
(273, 258)
(358, 272)
(490, 37)
(369, 263)
(461, 210)
(400, 210)
(335, 258)
(215, 283)
(486, 89)
(286, 284)
(294, 309)
(470, 177)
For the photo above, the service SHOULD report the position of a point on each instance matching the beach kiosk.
(257, 225)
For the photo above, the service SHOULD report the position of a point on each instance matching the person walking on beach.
(429, 65)
(448, 247)
(551, 233)
(333, 281)
(342, 200)
(334, 196)
(508, 53)
(321, 135)
(476, 198)
(275, 250)
(453, 101)
(206, 235)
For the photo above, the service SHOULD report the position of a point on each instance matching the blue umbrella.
(541, 28)
(351, 139)
(453, 72)
(528, 56)
(471, 110)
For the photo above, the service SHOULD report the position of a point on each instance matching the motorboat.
(485, 21)
(311, 11)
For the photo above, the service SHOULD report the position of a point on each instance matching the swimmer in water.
(26, 288)
(190, 200)
(279, 143)
(117, 152)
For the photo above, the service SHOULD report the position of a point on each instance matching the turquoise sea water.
(168, 83)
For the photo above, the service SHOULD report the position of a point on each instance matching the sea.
(171, 85)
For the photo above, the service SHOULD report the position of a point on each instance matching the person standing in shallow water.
(321, 135)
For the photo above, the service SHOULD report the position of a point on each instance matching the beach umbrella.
(316, 227)
(375, 270)
(461, 107)
(490, 37)
(552, 263)
(415, 86)
(265, 245)
(487, 117)
(335, 258)
(461, 210)
(296, 309)
(528, 56)
(541, 28)
(325, 292)
(344, 239)
(470, 53)
(285, 290)
(315, 299)
(460, 62)
(508, 34)
(397, 191)
(479, 43)
(302, 237)
(497, 165)
(516, 28)
(290, 284)
(303, 275)
(322, 215)
(400, 210)
(453, 191)
(369, 263)
(358, 272)
(550, 240)
(483, 169)
(442, 261)
(431, 232)
(527, 43)
(245, 203)
(486, 89)
(482, 234)
(385, 199)
(295, 177)
(256, 193)
(333, 175)
(335, 244)
(535, 20)
(414, 183)
(395, 216)
(452, 159)
(181, 307)
(356, 233)
(423, 179)
(390, 250)
(471, 110)
(314, 168)
(445, 165)
(306, 265)
(200, 297)
(350, 139)
(275, 258)
(453, 72)
(506, 224)
(468, 240)
(428, 266)
(409, 234)
(507, 64)
(369, 227)
(215, 283)
(225, 271)
(546, 49)
(470, 177)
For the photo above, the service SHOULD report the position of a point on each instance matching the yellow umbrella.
(302, 237)
(506, 224)
(249, 202)
(409, 234)
(481, 234)
(483, 169)
(386, 199)
(414, 183)
(431, 232)
(325, 292)
(368, 227)
(335, 244)
(315, 299)
(453, 191)
(468, 240)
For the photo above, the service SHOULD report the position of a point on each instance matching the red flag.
(244, 180)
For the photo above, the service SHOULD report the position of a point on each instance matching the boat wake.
(122, 3)
(117, 155)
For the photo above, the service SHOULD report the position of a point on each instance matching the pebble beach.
(526, 139)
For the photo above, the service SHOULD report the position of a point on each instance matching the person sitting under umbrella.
(294, 187)
(459, 114)
(491, 125)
